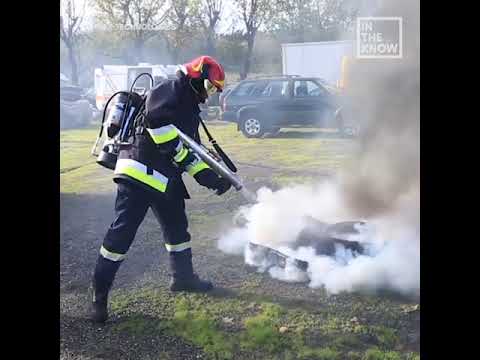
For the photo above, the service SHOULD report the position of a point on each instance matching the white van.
(112, 78)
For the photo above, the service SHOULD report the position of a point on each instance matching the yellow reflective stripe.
(181, 155)
(196, 167)
(147, 179)
(163, 134)
(111, 255)
(138, 171)
(178, 247)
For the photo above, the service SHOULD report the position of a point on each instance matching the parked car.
(224, 93)
(75, 110)
(211, 109)
(266, 105)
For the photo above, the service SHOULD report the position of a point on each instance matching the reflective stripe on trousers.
(178, 247)
(111, 255)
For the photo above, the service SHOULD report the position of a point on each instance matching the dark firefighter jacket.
(158, 157)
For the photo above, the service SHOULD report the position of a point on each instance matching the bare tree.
(70, 28)
(253, 13)
(312, 20)
(336, 15)
(294, 18)
(181, 25)
(138, 20)
(209, 16)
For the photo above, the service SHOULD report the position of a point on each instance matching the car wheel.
(252, 127)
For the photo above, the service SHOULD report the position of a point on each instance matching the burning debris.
(324, 238)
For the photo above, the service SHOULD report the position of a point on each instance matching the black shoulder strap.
(210, 138)
(218, 149)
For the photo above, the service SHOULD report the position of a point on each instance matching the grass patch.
(79, 173)
(285, 157)
(75, 147)
(296, 152)
(138, 325)
(320, 354)
(377, 354)
(386, 337)
(412, 356)
(293, 152)
(201, 329)
(262, 330)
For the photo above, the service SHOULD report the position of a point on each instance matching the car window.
(244, 89)
(259, 87)
(276, 88)
(304, 88)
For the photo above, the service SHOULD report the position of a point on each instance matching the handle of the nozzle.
(94, 148)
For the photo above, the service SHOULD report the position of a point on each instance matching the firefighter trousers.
(131, 205)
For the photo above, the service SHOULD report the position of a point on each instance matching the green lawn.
(287, 159)
(78, 171)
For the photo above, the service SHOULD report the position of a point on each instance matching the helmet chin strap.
(201, 98)
(193, 87)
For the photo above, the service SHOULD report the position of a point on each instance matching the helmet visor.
(211, 89)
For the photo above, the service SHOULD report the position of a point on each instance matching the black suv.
(265, 105)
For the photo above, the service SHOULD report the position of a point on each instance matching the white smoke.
(392, 255)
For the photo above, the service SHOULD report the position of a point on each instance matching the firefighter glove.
(223, 186)
(211, 180)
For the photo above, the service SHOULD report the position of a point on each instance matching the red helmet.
(213, 73)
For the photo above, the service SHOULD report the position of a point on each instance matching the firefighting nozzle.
(216, 165)
(119, 125)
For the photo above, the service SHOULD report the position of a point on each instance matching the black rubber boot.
(105, 271)
(99, 310)
(182, 276)
(191, 284)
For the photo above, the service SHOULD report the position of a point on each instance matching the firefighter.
(149, 175)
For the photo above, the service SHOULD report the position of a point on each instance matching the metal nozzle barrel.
(214, 164)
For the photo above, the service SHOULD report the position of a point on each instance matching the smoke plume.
(379, 187)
